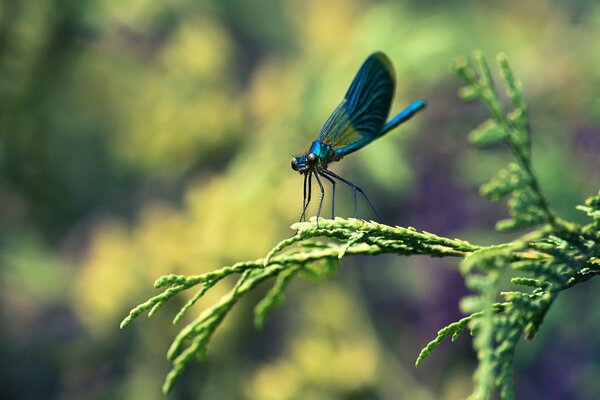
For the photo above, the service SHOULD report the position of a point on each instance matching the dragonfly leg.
(355, 190)
(322, 197)
(332, 193)
(306, 197)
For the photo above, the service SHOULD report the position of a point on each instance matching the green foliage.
(312, 257)
(555, 256)
(527, 205)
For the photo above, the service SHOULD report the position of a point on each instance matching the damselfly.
(358, 120)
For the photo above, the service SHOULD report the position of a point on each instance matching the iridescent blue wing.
(360, 117)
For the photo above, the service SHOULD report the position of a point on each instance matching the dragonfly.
(358, 120)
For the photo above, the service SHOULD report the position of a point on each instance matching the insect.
(358, 120)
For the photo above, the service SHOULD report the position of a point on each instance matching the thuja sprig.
(555, 256)
(305, 254)
(527, 205)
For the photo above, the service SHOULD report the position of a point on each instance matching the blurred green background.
(140, 138)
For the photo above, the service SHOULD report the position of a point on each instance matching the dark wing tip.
(383, 59)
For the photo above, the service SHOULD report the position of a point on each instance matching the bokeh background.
(145, 137)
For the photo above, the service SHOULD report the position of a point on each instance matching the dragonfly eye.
(311, 158)
(294, 164)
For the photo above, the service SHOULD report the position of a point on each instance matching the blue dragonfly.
(358, 120)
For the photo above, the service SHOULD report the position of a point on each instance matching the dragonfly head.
(304, 163)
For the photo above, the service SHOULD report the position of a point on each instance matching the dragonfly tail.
(405, 115)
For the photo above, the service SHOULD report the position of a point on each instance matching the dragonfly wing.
(360, 117)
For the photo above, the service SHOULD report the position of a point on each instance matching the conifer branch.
(556, 256)
(305, 254)
(552, 257)
(528, 206)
